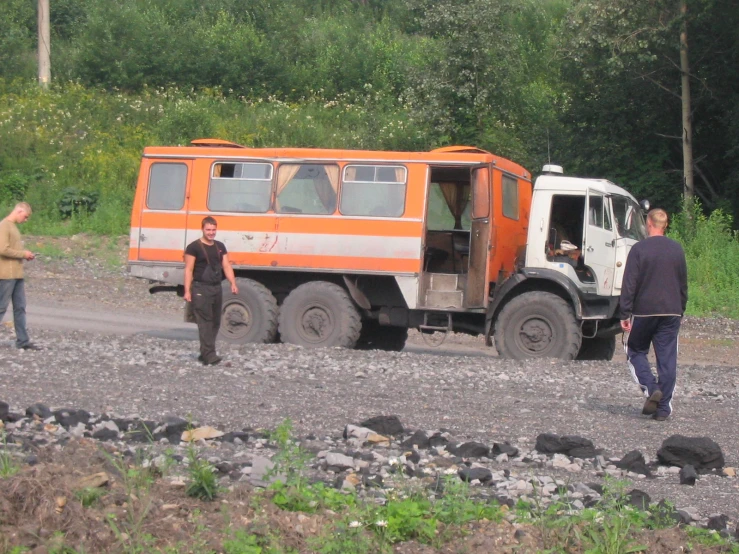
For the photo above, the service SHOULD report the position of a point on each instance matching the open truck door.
(599, 242)
(476, 290)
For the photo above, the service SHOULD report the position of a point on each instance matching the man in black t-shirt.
(206, 262)
(654, 294)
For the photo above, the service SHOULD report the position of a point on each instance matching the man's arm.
(628, 290)
(228, 271)
(189, 267)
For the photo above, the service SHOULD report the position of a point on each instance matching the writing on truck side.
(352, 248)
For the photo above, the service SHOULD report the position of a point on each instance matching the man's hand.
(188, 296)
(234, 288)
(28, 255)
(626, 325)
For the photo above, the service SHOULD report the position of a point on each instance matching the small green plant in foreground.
(89, 495)
(203, 481)
(8, 465)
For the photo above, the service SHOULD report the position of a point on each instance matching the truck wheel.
(319, 314)
(250, 315)
(597, 349)
(381, 337)
(537, 325)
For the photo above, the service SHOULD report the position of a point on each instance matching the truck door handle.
(609, 244)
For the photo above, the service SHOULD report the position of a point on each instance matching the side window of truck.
(240, 187)
(307, 188)
(510, 197)
(167, 184)
(598, 212)
(373, 190)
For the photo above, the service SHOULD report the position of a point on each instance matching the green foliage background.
(591, 84)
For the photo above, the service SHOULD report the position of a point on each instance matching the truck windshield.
(629, 218)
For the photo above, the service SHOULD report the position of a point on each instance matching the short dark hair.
(208, 220)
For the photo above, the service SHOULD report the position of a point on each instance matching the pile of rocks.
(378, 455)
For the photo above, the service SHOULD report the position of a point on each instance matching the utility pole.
(44, 44)
(688, 185)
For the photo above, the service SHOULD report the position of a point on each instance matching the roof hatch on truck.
(215, 142)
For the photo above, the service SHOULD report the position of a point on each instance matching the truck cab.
(580, 233)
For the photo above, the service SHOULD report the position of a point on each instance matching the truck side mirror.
(645, 205)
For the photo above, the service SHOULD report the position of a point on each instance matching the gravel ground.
(464, 389)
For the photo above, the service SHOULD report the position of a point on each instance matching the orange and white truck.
(353, 248)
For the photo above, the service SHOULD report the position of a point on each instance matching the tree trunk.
(44, 44)
(688, 185)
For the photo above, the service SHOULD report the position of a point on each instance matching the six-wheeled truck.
(353, 248)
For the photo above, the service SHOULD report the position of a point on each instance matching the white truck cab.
(563, 300)
(583, 228)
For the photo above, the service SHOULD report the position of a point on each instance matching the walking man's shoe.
(657, 417)
(650, 406)
(214, 361)
(29, 346)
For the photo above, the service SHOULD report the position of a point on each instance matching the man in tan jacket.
(12, 287)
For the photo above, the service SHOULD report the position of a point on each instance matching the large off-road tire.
(381, 337)
(250, 315)
(537, 325)
(597, 349)
(319, 314)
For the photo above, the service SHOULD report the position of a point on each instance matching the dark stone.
(548, 443)
(437, 440)
(638, 499)
(519, 534)
(700, 452)
(371, 481)
(571, 445)
(141, 431)
(231, 435)
(419, 439)
(504, 448)
(482, 474)
(14, 417)
(413, 456)
(470, 450)
(665, 511)
(505, 500)
(224, 467)
(123, 424)
(39, 410)
(71, 418)
(105, 434)
(718, 522)
(634, 461)
(578, 447)
(688, 475)
(173, 428)
(31, 459)
(597, 487)
(384, 425)
(4, 411)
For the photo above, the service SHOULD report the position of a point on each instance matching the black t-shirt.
(215, 253)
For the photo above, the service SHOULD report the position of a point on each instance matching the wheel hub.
(316, 323)
(535, 335)
(237, 319)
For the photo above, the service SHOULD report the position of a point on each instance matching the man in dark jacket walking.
(653, 299)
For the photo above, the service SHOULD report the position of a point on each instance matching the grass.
(436, 516)
(8, 464)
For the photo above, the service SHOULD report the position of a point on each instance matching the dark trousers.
(662, 332)
(206, 305)
(13, 290)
